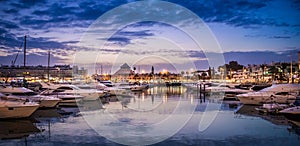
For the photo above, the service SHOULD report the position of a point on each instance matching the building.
(56, 72)
(123, 74)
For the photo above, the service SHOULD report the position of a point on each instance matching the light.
(164, 71)
(143, 71)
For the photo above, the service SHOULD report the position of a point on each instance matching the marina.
(150, 72)
(67, 125)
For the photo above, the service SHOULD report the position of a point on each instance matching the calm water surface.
(129, 120)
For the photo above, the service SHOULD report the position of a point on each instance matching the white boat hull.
(259, 100)
(17, 111)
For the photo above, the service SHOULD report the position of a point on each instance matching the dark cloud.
(45, 43)
(236, 13)
(252, 57)
(124, 37)
(280, 37)
(68, 14)
(8, 24)
(44, 15)
(9, 39)
(142, 33)
(119, 40)
(31, 59)
(11, 11)
(27, 3)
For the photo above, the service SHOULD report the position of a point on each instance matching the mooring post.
(204, 93)
(200, 91)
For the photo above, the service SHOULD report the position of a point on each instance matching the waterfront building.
(56, 72)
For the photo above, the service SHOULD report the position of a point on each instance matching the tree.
(152, 70)
(134, 68)
(234, 66)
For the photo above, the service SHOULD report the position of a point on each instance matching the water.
(150, 117)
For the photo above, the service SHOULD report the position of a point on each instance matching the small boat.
(107, 83)
(278, 93)
(218, 88)
(114, 91)
(16, 108)
(234, 92)
(67, 99)
(292, 113)
(271, 107)
(88, 94)
(122, 85)
(27, 94)
(139, 87)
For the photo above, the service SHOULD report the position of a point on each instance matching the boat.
(107, 83)
(234, 92)
(271, 108)
(123, 85)
(100, 86)
(292, 113)
(27, 94)
(115, 91)
(16, 108)
(87, 91)
(88, 94)
(277, 93)
(139, 87)
(217, 88)
(67, 99)
(192, 86)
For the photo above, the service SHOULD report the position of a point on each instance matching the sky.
(175, 35)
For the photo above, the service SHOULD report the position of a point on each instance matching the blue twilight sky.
(249, 32)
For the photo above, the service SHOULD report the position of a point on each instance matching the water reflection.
(234, 125)
(294, 127)
(16, 129)
(250, 110)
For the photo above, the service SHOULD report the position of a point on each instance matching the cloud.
(61, 17)
(280, 37)
(119, 40)
(259, 57)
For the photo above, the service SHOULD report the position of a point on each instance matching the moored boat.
(280, 93)
(292, 113)
(16, 108)
(27, 94)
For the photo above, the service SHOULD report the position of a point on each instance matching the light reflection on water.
(231, 126)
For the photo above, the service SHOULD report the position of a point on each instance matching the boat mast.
(291, 69)
(48, 67)
(24, 52)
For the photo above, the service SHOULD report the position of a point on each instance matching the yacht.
(292, 113)
(16, 108)
(67, 99)
(107, 83)
(88, 94)
(29, 95)
(123, 85)
(278, 93)
(139, 87)
(217, 88)
(115, 91)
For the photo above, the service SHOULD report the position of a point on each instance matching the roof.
(125, 66)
